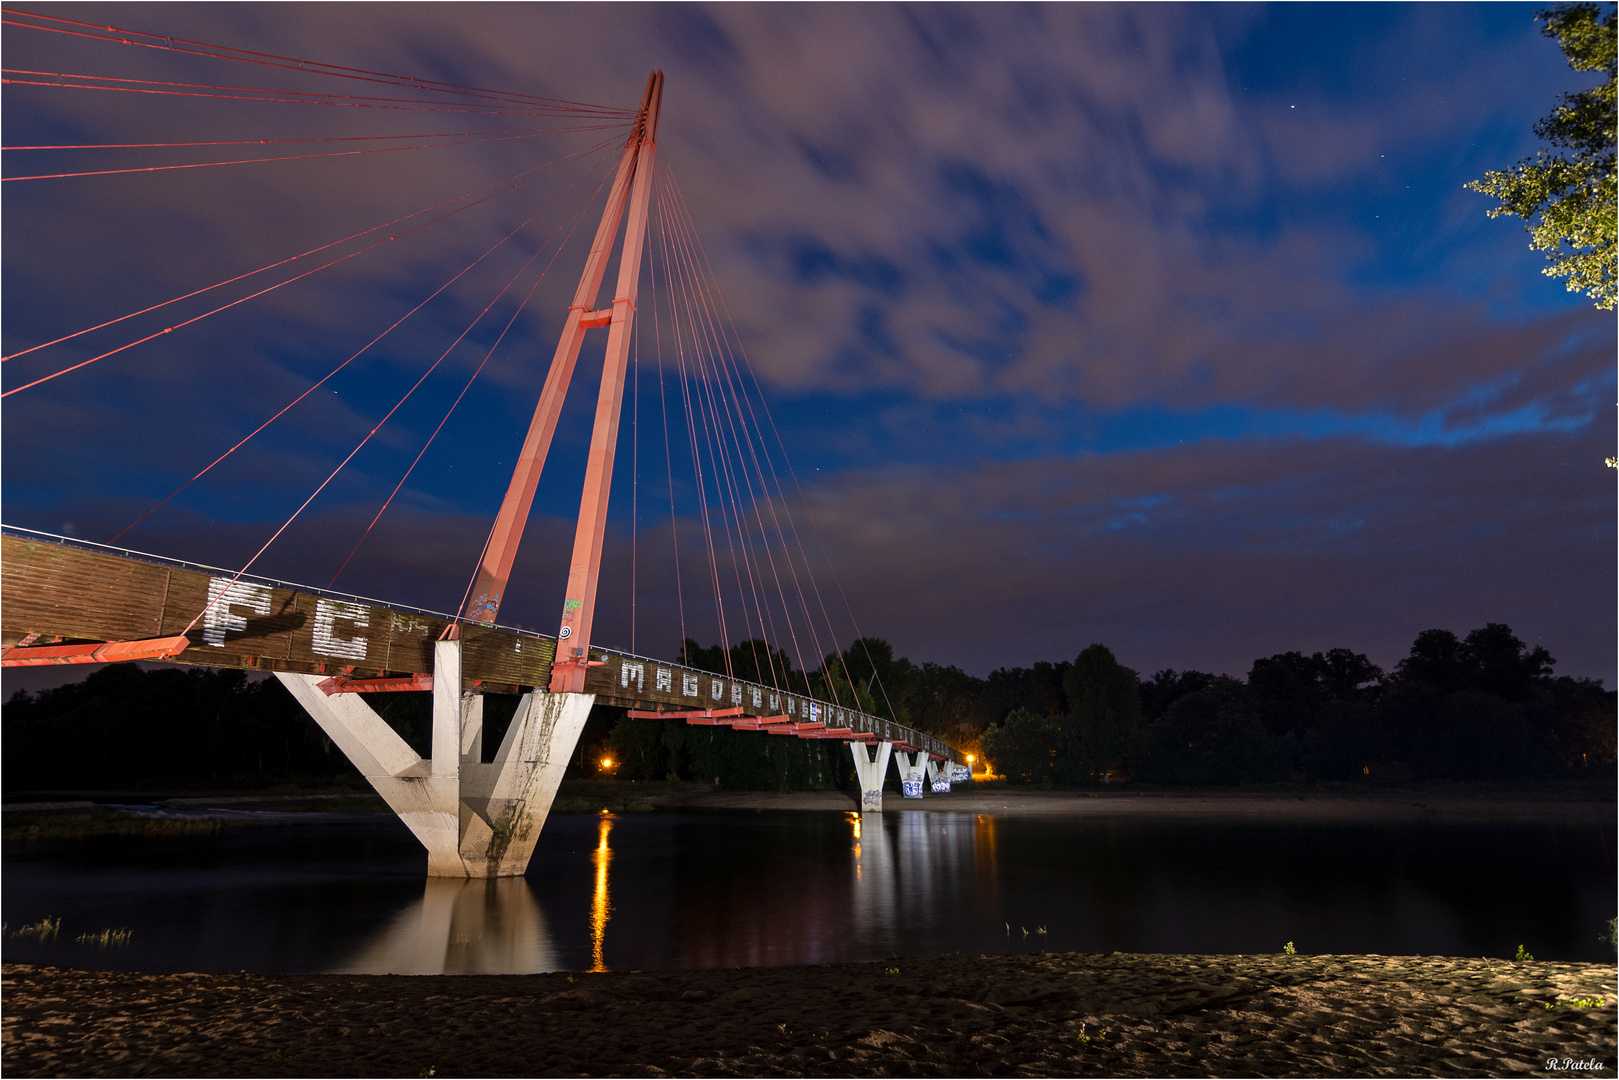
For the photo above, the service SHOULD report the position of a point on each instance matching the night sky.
(1167, 327)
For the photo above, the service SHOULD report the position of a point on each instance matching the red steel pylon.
(631, 191)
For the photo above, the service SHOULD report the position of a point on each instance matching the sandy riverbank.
(1040, 1015)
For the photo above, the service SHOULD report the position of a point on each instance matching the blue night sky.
(1170, 327)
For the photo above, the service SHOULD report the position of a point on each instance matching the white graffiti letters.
(224, 595)
(327, 612)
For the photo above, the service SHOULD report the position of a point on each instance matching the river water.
(329, 892)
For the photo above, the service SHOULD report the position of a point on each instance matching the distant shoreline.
(1455, 803)
(1376, 805)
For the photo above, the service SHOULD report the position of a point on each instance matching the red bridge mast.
(631, 191)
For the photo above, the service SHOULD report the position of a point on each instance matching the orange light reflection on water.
(599, 907)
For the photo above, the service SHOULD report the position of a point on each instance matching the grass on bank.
(50, 927)
(30, 826)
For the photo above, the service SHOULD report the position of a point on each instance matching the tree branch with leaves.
(1566, 196)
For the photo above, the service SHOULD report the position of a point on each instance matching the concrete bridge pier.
(939, 774)
(476, 819)
(910, 772)
(870, 770)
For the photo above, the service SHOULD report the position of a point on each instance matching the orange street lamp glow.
(607, 763)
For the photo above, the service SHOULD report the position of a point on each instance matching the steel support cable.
(667, 217)
(692, 407)
(804, 606)
(725, 479)
(566, 159)
(721, 423)
(278, 142)
(323, 484)
(786, 460)
(841, 659)
(424, 107)
(810, 617)
(490, 536)
(313, 67)
(766, 619)
(249, 296)
(261, 93)
(697, 472)
(740, 441)
(808, 614)
(331, 374)
(692, 442)
(635, 465)
(576, 216)
(668, 455)
(679, 199)
(728, 477)
(265, 160)
(716, 451)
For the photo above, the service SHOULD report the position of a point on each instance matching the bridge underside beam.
(476, 819)
(341, 685)
(95, 652)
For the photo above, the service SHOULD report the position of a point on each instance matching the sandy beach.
(1027, 1015)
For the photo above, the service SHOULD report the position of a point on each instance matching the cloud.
(1208, 556)
(1075, 325)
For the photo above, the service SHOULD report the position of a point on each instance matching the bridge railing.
(58, 588)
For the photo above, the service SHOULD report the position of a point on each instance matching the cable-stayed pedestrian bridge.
(479, 810)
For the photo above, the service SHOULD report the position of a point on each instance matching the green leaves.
(1568, 200)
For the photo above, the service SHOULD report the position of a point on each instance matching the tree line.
(1480, 707)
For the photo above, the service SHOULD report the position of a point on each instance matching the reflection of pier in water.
(482, 926)
(902, 871)
(477, 926)
(898, 873)
(911, 869)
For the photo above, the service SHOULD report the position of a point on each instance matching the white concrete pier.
(939, 774)
(911, 769)
(870, 769)
(476, 819)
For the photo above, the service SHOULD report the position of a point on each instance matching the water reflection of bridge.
(482, 926)
(898, 872)
(489, 926)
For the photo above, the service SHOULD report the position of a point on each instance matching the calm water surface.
(348, 893)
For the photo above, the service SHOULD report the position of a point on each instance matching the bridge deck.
(59, 588)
